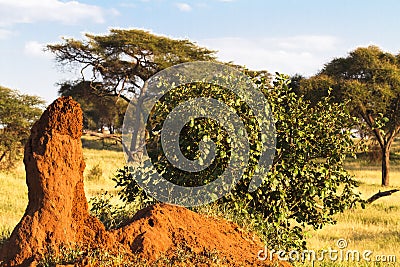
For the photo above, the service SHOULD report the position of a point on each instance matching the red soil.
(161, 228)
(57, 213)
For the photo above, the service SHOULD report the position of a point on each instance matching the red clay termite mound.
(160, 229)
(57, 212)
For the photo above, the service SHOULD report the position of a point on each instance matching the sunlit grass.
(13, 198)
(14, 192)
(375, 228)
(109, 160)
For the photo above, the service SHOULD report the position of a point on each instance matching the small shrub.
(112, 216)
(95, 173)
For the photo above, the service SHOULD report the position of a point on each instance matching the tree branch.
(392, 135)
(370, 122)
(381, 194)
(3, 155)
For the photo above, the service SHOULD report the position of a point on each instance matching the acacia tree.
(368, 79)
(17, 114)
(124, 60)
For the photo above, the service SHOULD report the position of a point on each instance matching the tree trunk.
(137, 127)
(385, 165)
(3, 155)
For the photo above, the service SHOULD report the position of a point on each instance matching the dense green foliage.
(306, 185)
(17, 114)
(368, 79)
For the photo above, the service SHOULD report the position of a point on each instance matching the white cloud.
(36, 49)
(127, 5)
(303, 54)
(183, 7)
(4, 34)
(67, 12)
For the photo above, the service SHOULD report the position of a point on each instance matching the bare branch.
(381, 194)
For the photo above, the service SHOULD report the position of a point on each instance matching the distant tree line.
(367, 80)
(18, 112)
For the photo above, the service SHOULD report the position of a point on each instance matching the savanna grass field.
(375, 228)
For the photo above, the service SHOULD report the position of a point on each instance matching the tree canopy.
(18, 112)
(98, 111)
(124, 59)
(368, 79)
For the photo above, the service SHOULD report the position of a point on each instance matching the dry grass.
(109, 158)
(376, 228)
(14, 192)
(13, 199)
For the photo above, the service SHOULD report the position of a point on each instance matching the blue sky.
(287, 36)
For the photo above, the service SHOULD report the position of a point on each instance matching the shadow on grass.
(90, 142)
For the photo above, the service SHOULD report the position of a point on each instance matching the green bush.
(306, 184)
(130, 191)
(112, 216)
